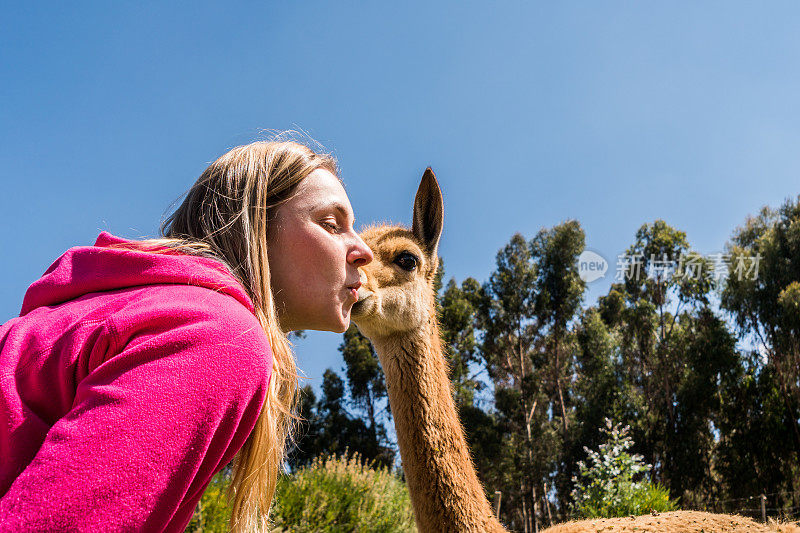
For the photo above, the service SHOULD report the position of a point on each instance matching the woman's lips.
(354, 290)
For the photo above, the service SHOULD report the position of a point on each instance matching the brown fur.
(396, 311)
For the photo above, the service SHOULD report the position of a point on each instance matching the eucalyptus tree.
(762, 295)
(509, 332)
(328, 428)
(558, 293)
(673, 351)
(457, 314)
(365, 379)
(524, 313)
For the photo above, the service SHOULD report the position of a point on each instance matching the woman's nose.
(359, 254)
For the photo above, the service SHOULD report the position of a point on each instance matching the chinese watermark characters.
(692, 266)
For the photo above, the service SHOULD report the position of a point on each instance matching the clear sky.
(531, 113)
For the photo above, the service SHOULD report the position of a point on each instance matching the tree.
(558, 293)
(524, 313)
(760, 448)
(599, 392)
(654, 307)
(710, 366)
(754, 453)
(329, 429)
(509, 329)
(457, 325)
(762, 294)
(364, 376)
(559, 290)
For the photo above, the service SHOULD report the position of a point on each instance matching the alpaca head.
(397, 295)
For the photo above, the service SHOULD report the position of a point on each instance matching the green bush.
(335, 494)
(341, 494)
(607, 488)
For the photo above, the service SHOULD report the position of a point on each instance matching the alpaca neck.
(444, 487)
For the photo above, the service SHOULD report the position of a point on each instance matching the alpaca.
(396, 311)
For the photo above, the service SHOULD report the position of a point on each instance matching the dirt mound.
(673, 522)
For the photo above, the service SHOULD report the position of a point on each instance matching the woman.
(137, 370)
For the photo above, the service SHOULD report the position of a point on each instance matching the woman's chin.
(342, 323)
(345, 323)
(336, 324)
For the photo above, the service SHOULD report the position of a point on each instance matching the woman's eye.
(330, 226)
(407, 261)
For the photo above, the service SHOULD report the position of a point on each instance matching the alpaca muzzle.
(363, 294)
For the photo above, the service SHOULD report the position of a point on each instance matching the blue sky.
(613, 113)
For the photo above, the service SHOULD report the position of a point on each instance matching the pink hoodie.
(128, 380)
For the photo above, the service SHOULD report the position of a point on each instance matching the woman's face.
(314, 254)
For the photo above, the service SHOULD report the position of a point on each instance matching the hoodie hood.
(87, 269)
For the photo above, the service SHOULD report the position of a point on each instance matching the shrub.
(331, 494)
(607, 488)
(341, 494)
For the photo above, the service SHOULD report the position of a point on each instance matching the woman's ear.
(428, 214)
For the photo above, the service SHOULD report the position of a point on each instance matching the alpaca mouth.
(363, 294)
(360, 308)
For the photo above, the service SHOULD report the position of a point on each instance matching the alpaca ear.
(429, 214)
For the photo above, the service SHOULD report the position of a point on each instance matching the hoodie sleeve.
(171, 404)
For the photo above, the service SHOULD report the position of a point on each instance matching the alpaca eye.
(406, 261)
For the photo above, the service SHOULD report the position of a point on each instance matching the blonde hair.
(225, 216)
